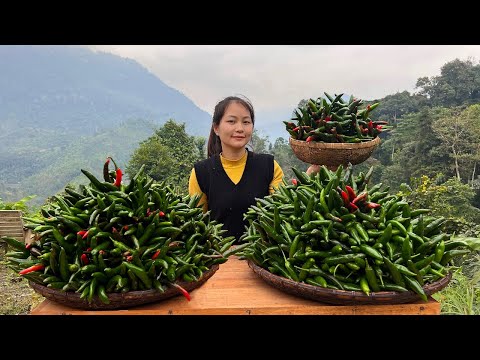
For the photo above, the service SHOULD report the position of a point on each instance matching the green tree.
(260, 144)
(460, 134)
(450, 199)
(471, 118)
(458, 84)
(393, 107)
(286, 158)
(169, 154)
(413, 149)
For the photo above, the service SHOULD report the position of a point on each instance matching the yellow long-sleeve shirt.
(234, 170)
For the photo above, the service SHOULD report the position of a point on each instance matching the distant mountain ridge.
(64, 103)
(75, 89)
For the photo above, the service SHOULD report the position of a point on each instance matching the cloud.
(279, 76)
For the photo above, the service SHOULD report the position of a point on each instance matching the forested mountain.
(73, 89)
(59, 104)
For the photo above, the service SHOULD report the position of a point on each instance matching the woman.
(232, 176)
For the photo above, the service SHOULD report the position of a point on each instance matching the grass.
(462, 295)
(16, 296)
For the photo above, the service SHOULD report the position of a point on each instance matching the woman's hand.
(313, 169)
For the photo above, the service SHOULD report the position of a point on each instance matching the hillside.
(64, 107)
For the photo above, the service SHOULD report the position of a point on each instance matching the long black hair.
(214, 146)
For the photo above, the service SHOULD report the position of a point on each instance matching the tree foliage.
(398, 105)
(448, 198)
(412, 149)
(17, 205)
(457, 84)
(259, 144)
(285, 157)
(169, 154)
(459, 134)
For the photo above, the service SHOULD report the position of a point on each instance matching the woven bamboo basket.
(333, 154)
(119, 300)
(344, 297)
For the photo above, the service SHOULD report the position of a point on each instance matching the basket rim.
(327, 145)
(333, 154)
(345, 297)
(119, 300)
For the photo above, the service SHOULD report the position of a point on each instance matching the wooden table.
(236, 290)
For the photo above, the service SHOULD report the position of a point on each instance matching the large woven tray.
(344, 297)
(119, 300)
(333, 154)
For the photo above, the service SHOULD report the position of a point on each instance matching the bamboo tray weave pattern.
(120, 300)
(345, 297)
(333, 154)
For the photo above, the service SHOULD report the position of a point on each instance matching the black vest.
(227, 201)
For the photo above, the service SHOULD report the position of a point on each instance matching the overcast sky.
(279, 76)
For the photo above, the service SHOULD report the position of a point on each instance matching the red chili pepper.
(129, 258)
(154, 256)
(370, 125)
(114, 230)
(182, 290)
(345, 198)
(351, 192)
(294, 182)
(89, 249)
(352, 207)
(28, 246)
(82, 233)
(372, 205)
(328, 118)
(118, 179)
(296, 129)
(84, 259)
(32, 268)
(310, 138)
(125, 227)
(361, 196)
(161, 213)
(102, 252)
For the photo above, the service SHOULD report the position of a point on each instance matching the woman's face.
(235, 128)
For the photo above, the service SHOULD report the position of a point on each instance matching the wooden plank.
(10, 213)
(11, 220)
(11, 227)
(12, 233)
(11, 224)
(236, 290)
